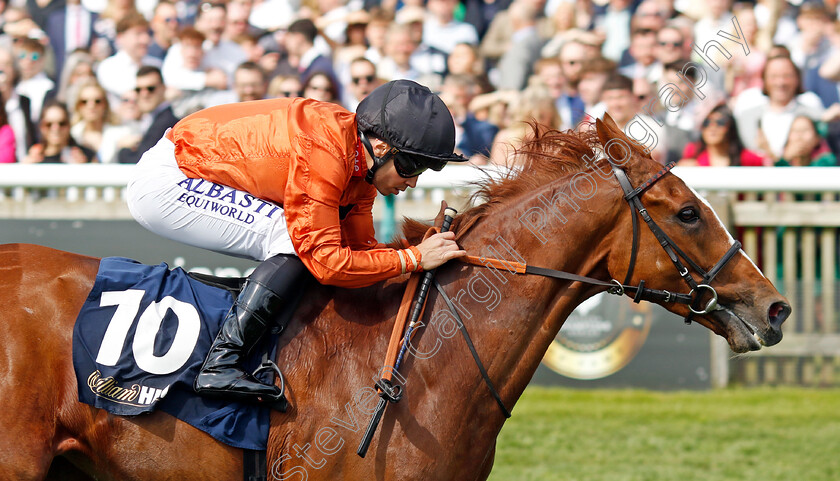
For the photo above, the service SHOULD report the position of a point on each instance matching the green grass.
(766, 434)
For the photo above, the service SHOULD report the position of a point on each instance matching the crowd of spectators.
(712, 83)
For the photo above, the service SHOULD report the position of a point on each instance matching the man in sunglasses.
(363, 81)
(33, 82)
(291, 183)
(157, 115)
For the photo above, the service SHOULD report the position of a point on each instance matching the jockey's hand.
(438, 249)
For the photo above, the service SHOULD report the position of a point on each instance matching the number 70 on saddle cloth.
(143, 329)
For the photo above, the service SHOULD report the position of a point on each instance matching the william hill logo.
(137, 395)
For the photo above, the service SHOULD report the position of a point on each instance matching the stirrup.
(282, 404)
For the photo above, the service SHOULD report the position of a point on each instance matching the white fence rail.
(789, 179)
(97, 191)
(787, 218)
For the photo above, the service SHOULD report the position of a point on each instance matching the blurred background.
(743, 95)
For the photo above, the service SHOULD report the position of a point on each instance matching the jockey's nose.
(412, 182)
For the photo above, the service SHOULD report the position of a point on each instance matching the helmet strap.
(377, 161)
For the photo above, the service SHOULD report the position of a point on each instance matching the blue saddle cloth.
(140, 340)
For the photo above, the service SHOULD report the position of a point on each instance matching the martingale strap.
(474, 353)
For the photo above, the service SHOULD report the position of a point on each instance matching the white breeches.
(203, 214)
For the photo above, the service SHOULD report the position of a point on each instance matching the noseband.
(693, 298)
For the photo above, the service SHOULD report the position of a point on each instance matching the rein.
(631, 195)
(391, 392)
(642, 293)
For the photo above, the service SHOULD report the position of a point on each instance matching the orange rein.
(398, 334)
(510, 266)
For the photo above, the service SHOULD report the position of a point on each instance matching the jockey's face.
(386, 180)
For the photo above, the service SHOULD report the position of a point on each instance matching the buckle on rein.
(389, 391)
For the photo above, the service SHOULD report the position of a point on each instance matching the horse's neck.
(530, 309)
(511, 318)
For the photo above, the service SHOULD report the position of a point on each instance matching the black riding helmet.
(414, 122)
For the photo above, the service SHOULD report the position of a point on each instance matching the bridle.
(641, 293)
(693, 298)
(390, 392)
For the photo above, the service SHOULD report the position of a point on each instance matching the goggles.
(408, 165)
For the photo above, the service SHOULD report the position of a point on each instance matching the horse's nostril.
(778, 312)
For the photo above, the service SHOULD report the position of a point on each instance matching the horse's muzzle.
(777, 314)
(746, 331)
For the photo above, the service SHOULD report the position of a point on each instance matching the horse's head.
(749, 311)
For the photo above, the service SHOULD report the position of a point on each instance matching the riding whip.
(394, 393)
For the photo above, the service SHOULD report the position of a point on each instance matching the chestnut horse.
(557, 212)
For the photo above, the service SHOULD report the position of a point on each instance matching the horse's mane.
(546, 155)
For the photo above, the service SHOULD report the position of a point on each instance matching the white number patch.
(148, 326)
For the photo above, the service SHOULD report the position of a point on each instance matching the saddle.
(141, 337)
(233, 285)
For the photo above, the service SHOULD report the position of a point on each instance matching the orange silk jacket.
(305, 156)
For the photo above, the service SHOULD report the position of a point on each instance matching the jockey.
(291, 183)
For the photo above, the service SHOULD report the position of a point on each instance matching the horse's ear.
(613, 131)
(608, 120)
(604, 134)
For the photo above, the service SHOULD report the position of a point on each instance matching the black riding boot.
(251, 316)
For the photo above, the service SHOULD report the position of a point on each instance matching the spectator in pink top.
(719, 144)
(7, 137)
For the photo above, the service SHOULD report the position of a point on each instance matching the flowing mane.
(546, 155)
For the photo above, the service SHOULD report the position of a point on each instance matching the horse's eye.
(688, 215)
